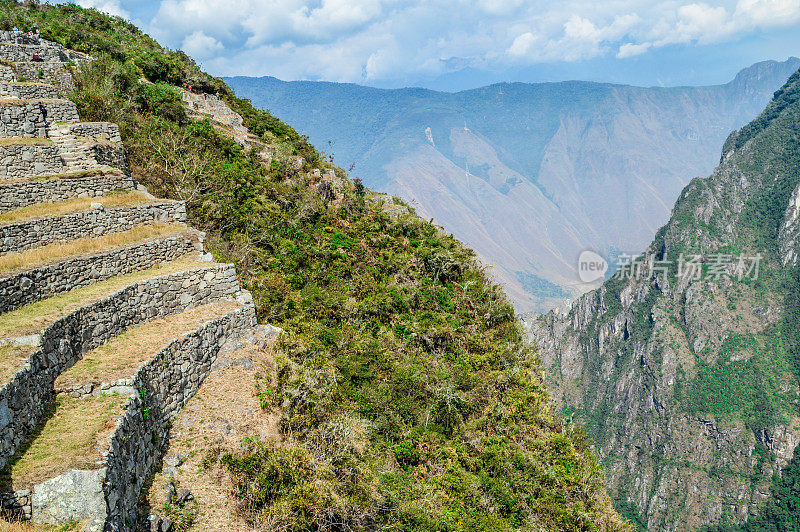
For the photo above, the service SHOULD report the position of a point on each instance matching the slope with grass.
(404, 394)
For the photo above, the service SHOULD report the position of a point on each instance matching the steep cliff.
(685, 365)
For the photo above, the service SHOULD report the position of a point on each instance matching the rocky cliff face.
(685, 365)
(529, 175)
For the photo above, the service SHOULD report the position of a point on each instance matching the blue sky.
(458, 44)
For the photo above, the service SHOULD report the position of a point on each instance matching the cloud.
(631, 50)
(368, 40)
(201, 46)
(112, 7)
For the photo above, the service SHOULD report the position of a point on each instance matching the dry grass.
(11, 359)
(33, 527)
(60, 208)
(122, 356)
(94, 172)
(26, 141)
(36, 316)
(33, 258)
(225, 410)
(73, 436)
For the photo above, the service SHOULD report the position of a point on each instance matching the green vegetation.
(539, 286)
(409, 399)
(781, 513)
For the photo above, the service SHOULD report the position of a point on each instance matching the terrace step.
(61, 274)
(156, 367)
(55, 73)
(23, 158)
(23, 235)
(26, 118)
(225, 411)
(75, 153)
(28, 91)
(83, 319)
(94, 183)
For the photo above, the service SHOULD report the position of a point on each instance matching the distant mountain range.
(529, 175)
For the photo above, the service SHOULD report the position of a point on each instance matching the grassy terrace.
(33, 318)
(122, 356)
(95, 172)
(11, 359)
(73, 436)
(13, 141)
(60, 208)
(33, 258)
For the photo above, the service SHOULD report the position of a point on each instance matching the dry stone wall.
(110, 154)
(28, 91)
(55, 73)
(33, 285)
(24, 398)
(25, 119)
(26, 52)
(107, 496)
(173, 376)
(97, 130)
(24, 193)
(30, 160)
(21, 118)
(35, 233)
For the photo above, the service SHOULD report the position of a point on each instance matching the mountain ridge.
(519, 166)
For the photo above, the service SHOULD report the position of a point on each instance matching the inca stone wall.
(33, 285)
(54, 73)
(28, 91)
(24, 398)
(30, 160)
(97, 130)
(24, 118)
(110, 154)
(107, 496)
(170, 378)
(25, 193)
(21, 118)
(26, 52)
(35, 233)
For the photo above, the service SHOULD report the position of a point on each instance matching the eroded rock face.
(74, 495)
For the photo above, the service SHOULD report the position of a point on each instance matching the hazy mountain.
(529, 174)
(688, 377)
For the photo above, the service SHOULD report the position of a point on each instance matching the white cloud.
(365, 40)
(201, 46)
(631, 50)
(112, 7)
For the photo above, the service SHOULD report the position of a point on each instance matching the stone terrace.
(111, 311)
